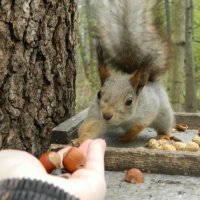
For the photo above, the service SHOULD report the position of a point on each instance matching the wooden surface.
(191, 119)
(67, 130)
(149, 160)
(153, 161)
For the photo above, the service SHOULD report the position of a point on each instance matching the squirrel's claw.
(75, 142)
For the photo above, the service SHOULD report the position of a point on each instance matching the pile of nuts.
(169, 145)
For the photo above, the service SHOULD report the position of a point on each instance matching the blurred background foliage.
(180, 20)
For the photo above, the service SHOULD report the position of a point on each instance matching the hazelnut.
(196, 139)
(180, 146)
(153, 144)
(181, 127)
(162, 141)
(50, 160)
(192, 146)
(134, 176)
(168, 147)
(74, 159)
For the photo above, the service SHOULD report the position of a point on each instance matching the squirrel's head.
(118, 96)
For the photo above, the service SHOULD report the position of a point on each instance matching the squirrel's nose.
(107, 116)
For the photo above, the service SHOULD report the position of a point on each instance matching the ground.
(155, 187)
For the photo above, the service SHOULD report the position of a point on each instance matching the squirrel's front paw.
(127, 138)
(75, 142)
(132, 133)
(169, 137)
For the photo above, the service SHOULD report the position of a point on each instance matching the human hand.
(87, 183)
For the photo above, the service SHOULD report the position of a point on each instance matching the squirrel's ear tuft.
(139, 79)
(103, 71)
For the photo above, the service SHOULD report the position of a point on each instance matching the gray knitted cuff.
(26, 189)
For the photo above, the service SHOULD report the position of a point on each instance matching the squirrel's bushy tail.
(129, 36)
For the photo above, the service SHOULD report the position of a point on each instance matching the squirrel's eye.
(129, 101)
(99, 95)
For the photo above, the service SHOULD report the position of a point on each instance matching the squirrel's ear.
(139, 79)
(103, 71)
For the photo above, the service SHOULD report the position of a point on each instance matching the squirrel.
(132, 57)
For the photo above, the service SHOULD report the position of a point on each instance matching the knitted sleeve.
(27, 189)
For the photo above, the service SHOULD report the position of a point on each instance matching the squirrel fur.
(132, 56)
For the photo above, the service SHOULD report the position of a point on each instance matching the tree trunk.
(176, 74)
(37, 70)
(90, 30)
(190, 92)
(168, 16)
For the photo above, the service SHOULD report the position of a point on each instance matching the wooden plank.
(153, 161)
(67, 130)
(191, 119)
(149, 160)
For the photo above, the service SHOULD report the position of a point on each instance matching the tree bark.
(37, 70)
(190, 90)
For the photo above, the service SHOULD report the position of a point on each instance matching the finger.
(84, 146)
(95, 156)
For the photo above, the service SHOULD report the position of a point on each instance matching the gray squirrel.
(132, 57)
